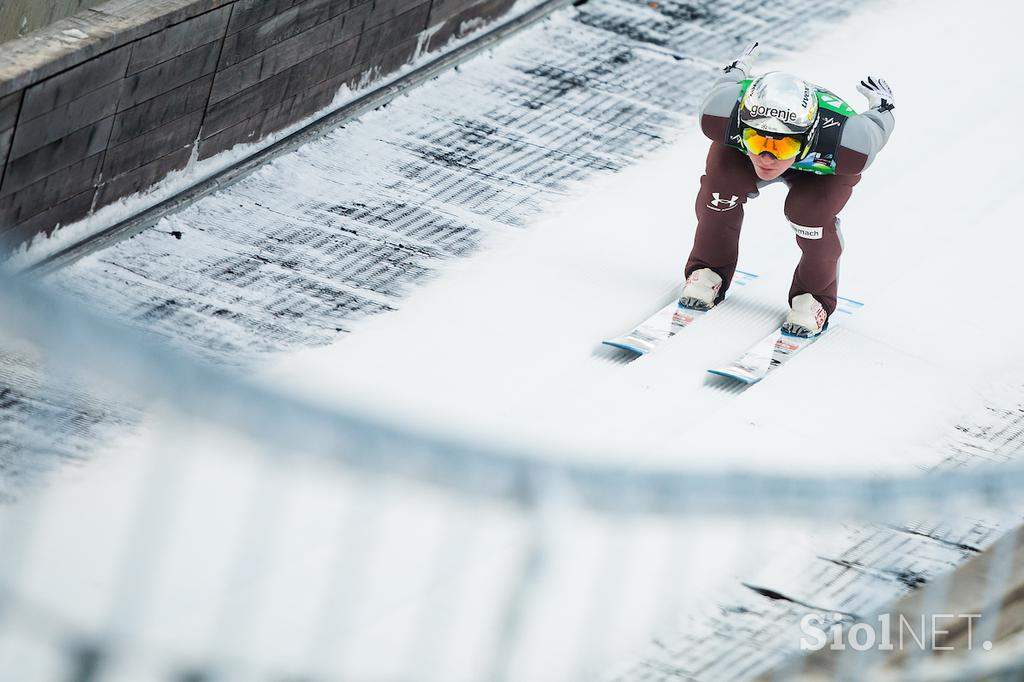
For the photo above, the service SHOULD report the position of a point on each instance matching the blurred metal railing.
(238, 532)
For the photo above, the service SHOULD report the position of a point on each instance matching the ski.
(778, 348)
(665, 323)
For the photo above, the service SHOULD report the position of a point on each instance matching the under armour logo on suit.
(720, 204)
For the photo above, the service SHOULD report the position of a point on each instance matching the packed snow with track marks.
(930, 248)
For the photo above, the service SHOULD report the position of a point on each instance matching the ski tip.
(730, 375)
(622, 346)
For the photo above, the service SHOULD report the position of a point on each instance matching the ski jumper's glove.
(745, 61)
(878, 94)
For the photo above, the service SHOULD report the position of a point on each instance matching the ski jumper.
(842, 144)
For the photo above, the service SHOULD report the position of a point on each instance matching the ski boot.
(806, 318)
(701, 289)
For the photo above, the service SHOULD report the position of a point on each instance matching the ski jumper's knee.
(814, 201)
(728, 180)
(812, 207)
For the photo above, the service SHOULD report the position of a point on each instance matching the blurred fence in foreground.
(238, 533)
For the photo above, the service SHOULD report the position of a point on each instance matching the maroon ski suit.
(812, 205)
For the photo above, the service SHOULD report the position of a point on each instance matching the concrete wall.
(106, 103)
(18, 17)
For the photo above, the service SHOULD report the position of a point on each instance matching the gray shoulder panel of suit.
(867, 133)
(722, 98)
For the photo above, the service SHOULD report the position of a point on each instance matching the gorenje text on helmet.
(759, 110)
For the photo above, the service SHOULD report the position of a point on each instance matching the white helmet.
(781, 103)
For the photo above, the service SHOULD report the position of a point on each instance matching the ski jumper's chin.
(768, 167)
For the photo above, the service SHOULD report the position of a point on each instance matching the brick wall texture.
(170, 79)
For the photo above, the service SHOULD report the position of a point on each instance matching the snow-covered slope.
(931, 250)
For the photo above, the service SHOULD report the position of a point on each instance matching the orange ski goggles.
(782, 147)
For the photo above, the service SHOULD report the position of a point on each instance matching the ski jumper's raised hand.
(778, 127)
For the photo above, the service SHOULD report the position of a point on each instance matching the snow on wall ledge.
(107, 103)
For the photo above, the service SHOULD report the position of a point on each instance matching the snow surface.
(929, 249)
(500, 347)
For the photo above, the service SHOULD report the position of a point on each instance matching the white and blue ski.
(666, 322)
(779, 347)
